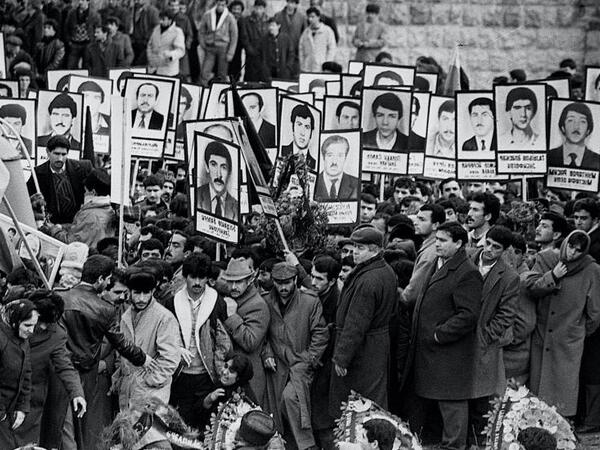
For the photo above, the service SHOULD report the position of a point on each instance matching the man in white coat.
(317, 43)
(166, 46)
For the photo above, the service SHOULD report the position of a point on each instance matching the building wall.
(497, 35)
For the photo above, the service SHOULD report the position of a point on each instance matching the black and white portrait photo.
(341, 113)
(20, 115)
(9, 89)
(351, 85)
(441, 128)
(261, 106)
(384, 75)
(149, 101)
(386, 119)
(520, 117)
(339, 165)
(173, 102)
(475, 126)
(574, 135)
(190, 101)
(118, 77)
(59, 113)
(592, 84)
(58, 80)
(315, 82)
(426, 82)
(299, 131)
(215, 106)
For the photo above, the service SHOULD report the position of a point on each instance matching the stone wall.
(498, 35)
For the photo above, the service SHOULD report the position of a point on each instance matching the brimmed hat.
(283, 271)
(257, 429)
(237, 270)
(367, 234)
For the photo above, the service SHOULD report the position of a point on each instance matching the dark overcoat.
(362, 341)
(443, 335)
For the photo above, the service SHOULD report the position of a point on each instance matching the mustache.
(218, 180)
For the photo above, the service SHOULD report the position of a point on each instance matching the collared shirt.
(577, 151)
(58, 172)
(531, 140)
(441, 149)
(214, 199)
(196, 366)
(476, 241)
(386, 145)
(484, 269)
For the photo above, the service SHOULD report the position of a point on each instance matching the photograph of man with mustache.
(576, 124)
(441, 143)
(63, 112)
(144, 116)
(481, 115)
(214, 197)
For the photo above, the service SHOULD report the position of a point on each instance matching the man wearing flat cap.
(255, 432)
(61, 181)
(214, 197)
(16, 116)
(296, 341)
(63, 111)
(154, 328)
(362, 342)
(248, 319)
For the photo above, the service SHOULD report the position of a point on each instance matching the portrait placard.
(341, 113)
(96, 96)
(216, 102)
(59, 113)
(58, 80)
(307, 97)
(190, 102)
(21, 115)
(285, 85)
(150, 105)
(299, 129)
(9, 89)
(351, 85)
(426, 82)
(118, 77)
(592, 84)
(417, 138)
(556, 87)
(217, 188)
(521, 128)
(315, 82)
(261, 106)
(333, 88)
(387, 75)
(574, 155)
(475, 126)
(173, 110)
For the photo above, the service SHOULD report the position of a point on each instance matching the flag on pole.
(88, 139)
(452, 83)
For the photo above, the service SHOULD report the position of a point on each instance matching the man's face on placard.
(334, 157)
(252, 106)
(349, 118)
(576, 128)
(92, 99)
(16, 123)
(302, 130)
(446, 126)
(184, 105)
(413, 113)
(521, 113)
(482, 120)
(61, 120)
(218, 172)
(146, 99)
(387, 121)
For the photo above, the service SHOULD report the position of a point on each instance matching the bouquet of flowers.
(359, 410)
(518, 410)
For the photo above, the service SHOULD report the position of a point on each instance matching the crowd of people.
(443, 291)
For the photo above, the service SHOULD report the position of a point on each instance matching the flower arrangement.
(358, 410)
(518, 410)
(525, 217)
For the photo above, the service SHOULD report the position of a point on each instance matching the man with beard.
(297, 338)
(362, 343)
(214, 197)
(16, 116)
(484, 210)
(247, 320)
(205, 340)
(176, 252)
(482, 121)
(155, 329)
(63, 111)
(254, 104)
(441, 144)
(387, 112)
(93, 97)
(61, 181)
(303, 125)
(521, 106)
(144, 116)
(576, 125)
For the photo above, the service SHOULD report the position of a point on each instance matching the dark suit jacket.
(470, 145)
(266, 132)
(77, 172)
(156, 120)
(590, 161)
(43, 141)
(416, 142)
(288, 150)
(230, 205)
(347, 190)
(369, 140)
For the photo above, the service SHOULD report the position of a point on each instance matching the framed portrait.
(417, 138)
(261, 106)
(190, 102)
(387, 75)
(574, 156)
(173, 110)
(426, 82)
(556, 88)
(475, 126)
(118, 77)
(9, 89)
(216, 102)
(351, 85)
(21, 116)
(59, 113)
(58, 80)
(341, 113)
(592, 84)
(299, 130)
(385, 119)
(315, 82)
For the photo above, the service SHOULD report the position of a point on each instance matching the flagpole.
(32, 255)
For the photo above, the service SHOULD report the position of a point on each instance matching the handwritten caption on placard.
(522, 163)
(439, 168)
(384, 162)
(217, 228)
(570, 178)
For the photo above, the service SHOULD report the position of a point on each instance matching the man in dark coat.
(102, 54)
(387, 112)
(499, 305)
(61, 181)
(361, 353)
(277, 54)
(443, 335)
(253, 29)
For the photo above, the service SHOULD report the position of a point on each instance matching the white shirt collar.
(386, 145)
